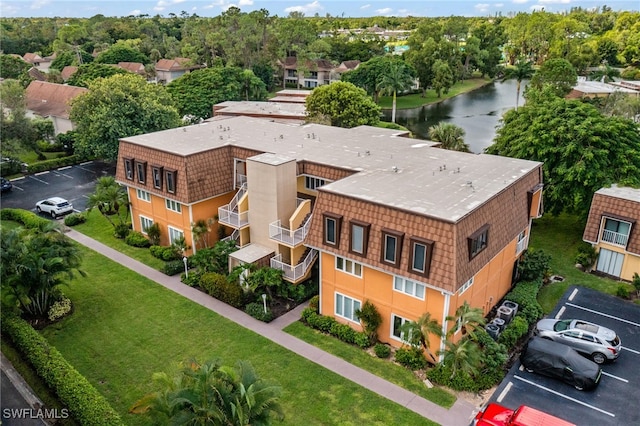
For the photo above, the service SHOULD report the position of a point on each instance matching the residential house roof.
(347, 66)
(176, 64)
(51, 99)
(134, 67)
(291, 62)
(32, 58)
(67, 72)
(292, 112)
(595, 88)
(36, 74)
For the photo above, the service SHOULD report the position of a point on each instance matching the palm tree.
(449, 135)
(467, 320)
(523, 70)
(428, 326)
(464, 356)
(109, 197)
(397, 78)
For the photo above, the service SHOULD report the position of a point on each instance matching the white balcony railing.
(294, 273)
(240, 180)
(229, 215)
(615, 238)
(522, 244)
(235, 236)
(284, 235)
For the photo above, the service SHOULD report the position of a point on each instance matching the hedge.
(43, 166)
(85, 403)
(165, 253)
(137, 239)
(330, 326)
(24, 217)
(256, 310)
(216, 285)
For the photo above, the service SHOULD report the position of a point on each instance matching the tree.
(397, 77)
(523, 70)
(117, 107)
(449, 135)
(442, 77)
(418, 333)
(253, 87)
(343, 105)
(12, 67)
(582, 150)
(367, 76)
(605, 74)
(87, 73)
(109, 198)
(210, 393)
(464, 356)
(558, 74)
(467, 320)
(120, 53)
(200, 229)
(68, 57)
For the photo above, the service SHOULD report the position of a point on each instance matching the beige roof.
(623, 192)
(293, 111)
(67, 72)
(51, 99)
(450, 184)
(32, 57)
(176, 64)
(135, 67)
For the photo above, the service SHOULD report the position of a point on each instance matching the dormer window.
(141, 170)
(128, 168)
(156, 172)
(170, 180)
(478, 241)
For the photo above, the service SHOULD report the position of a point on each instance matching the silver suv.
(597, 342)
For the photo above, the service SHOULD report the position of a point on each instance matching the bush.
(412, 358)
(534, 265)
(256, 310)
(382, 351)
(25, 218)
(623, 291)
(525, 294)
(165, 253)
(153, 232)
(314, 303)
(587, 255)
(59, 309)
(517, 328)
(75, 219)
(85, 403)
(362, 340)
(370, 319)
(343, 332)
(172, 267)
(11, 167)
(122, 230)
(137, 239)
(55, 163)
(531, 313)
(216, 285)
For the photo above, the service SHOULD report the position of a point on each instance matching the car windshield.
(63, 204)
(561, 325)
(614, 342)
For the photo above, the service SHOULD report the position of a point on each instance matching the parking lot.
(615, 400)
(74, 183)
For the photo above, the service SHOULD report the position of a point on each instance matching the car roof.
(538, 347)
(57, 200)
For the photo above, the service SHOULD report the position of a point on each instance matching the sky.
(346, 8)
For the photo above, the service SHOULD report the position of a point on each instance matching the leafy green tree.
(368, 76)
(398, 77)
(449, 135)
(622, 105)
(265, 280)
(87, 73)
(606, 74)
(558, 74)
(467, 320)
(342, 104)
(523, 70)
(109, 198)
(252, 87)
(119, 53)
(117, 107)
(293, 36)
(68, 57)
(12, 67)
(582, 150)
(209, 393)
(442, 77)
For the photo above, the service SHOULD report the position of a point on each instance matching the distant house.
(51, 100)
(38, 61)
(345, 66)
(168, 70)
(612, 229)
(597, 89)
(67, 72)
(312, 74)
(282, 112)
(36, 74)
(134, 67)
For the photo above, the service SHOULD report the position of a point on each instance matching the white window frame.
(173, 205)
(466, 286)
(327, 235)
(395, 259)
(144, 228)
(143, 195)
(348, 266)
(173, 237)
(313, 183)
(403, 321)
(340, 307)
(409, 287)
(357, 238)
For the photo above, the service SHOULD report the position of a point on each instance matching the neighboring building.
(51, 100)
(134, 67)
(312, 74)
(294, 113)
(596, 89)
(38, 61)
(393, 220)
(168, 70)
(290, 96)
(67, 72)
(36, 74)
(612, 228)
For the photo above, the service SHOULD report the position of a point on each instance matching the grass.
(126, 327)
(382, 368)
(31, 157)
(560, 236)
(417, 100)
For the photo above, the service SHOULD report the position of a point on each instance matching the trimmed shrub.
(462, 381)
(256, 310)
(525, 294)
(532, 313)
(362, 340)
(75, 219)
(85, 403)
(412, 358)
(24, 217)
(11, 167)
(314, 303)
(587, 255)
(623, 291)
(121, 230)
(382, 350)
(517, 328)
(137, 239)
(43, 166)
(306, 313)
(343, 332)
(165, 253)
(534, 265)
(172, 267)
(216, 285)
(59, 309)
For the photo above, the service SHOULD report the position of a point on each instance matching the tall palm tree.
(428, 326)
(397, 78)
(449, 135)
(467, 320)
(109, 197)
(523, 70)
(464, 356)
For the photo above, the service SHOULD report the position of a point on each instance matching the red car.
(497, 415)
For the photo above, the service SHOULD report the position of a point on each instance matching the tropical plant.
(200, 229)
(397, 77)
(467, 320)
(417, 333)
(370, 319)
(449, 135)
(110, 198)
(462, 356)
(523, 70)
(342, 104)
(264, 280)
(210, 393)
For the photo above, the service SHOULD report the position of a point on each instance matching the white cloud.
(306, 9)
(554, 1)
(135, 12)
(245, 3)
(520, 1)
(385, 11)
(8, 10)
(366, 6)
(38, 4)
(482, 7)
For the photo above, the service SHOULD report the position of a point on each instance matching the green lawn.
(126, 327)
(416, 100)
(560, 236)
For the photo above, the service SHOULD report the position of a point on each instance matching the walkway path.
(460, 414)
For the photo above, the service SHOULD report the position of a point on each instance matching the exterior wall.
(62, 125)
(630, 264)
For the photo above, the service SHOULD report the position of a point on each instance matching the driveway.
(73, 183)
(614, 401)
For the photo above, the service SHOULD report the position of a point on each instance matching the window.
(359, 237)
(156, 171)
(616, 232)
(409, 287)
(141, 170)
(420, 256)
(332, 226)
(391, 247)
(170, 179)
(128, 168)
(175, 234)
(396, 329)
(465, 286)
(313, 183)
(314, 75)
(348, 266)
(478, 241)
(174, 206)
(143, 195)
(346, 307)
(145, 223)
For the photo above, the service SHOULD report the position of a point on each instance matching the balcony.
(231, 215)
(293, 238)
(614, 238)
(297, 272)
(521, 245)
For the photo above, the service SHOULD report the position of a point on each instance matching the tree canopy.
(582, 149)
(342, 104)
(558, 74)
(86, 73)
(116, 107)
(119, 53)
(12, 67)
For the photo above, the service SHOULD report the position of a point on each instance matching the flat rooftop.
(599, 87)
(623, 192)
(390, 169)
(254, 108)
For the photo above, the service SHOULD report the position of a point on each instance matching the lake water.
(477, 112)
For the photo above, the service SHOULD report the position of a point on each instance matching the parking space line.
(560, 312)
(42, 173)
(85, 163)
(39, 180)
(603, 314)
(630, 350)
(64, 168)
(504, 392)
(16, 179)
(615, 377)
(573, 294)
(564, 396)
(63, 174)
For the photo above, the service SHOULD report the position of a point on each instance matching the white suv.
(55, 206)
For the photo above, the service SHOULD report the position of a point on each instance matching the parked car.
(497, 415)
(6, 185)
(561, 362)
(55, 206)
(599, 343)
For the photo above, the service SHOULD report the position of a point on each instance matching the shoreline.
(438, 100)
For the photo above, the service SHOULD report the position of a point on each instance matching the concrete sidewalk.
(460, 414)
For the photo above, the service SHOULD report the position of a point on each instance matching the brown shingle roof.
(67, 72)
(32, 58)
(176, 64)
(135, 67)
(291, 62)
(51, 99)
(36, 74)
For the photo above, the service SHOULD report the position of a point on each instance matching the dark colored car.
(561, 362)
(6, 185)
